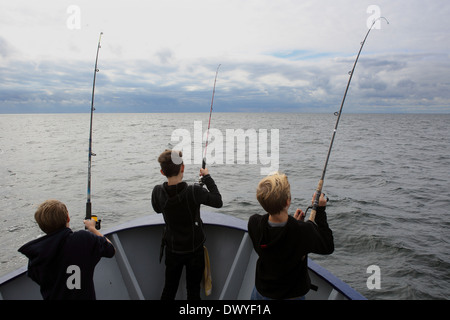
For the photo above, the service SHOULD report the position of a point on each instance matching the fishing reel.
(310, 207)
(97, 222)
(90, 216)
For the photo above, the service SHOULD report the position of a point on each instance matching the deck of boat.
(136, 273)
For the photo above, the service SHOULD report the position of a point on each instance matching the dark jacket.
(180, 206)
(51, 255)
(281, 270)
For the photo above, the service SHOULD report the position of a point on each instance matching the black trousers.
(195, 266)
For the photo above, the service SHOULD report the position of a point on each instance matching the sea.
(387, 180)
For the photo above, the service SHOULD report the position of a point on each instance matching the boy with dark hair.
(183, 235)
(283, 242)
(62, 255)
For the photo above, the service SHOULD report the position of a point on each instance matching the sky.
(275, 56)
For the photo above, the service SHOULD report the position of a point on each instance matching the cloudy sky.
(161, 55)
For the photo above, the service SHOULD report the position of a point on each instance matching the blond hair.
(273, 192)
(51, 215)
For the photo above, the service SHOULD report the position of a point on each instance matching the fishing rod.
(338, 114)
(88, 202)
(209, 122)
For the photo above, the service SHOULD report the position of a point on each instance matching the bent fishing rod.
(88, 202)
(315, 204)
(209, 122)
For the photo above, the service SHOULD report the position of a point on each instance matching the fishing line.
(209, 122)
(88, 202)
(338, 114)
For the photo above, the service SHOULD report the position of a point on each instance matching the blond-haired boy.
(283, 242)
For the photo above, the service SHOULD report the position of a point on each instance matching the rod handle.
(200, 182)
(88, 211)
(204, 163)
(315, 205)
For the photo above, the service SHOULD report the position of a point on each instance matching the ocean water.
(388, 181)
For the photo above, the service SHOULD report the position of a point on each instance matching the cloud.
(276, 56)
(6, 49)
(266, 84)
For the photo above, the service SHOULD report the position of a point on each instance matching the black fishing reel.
(310, 207)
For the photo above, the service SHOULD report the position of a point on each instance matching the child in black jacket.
(62, 262)
(283, 242)
(183, 236)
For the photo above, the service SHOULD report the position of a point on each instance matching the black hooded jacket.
(51, 256)
(281, 269)
(180, 206)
